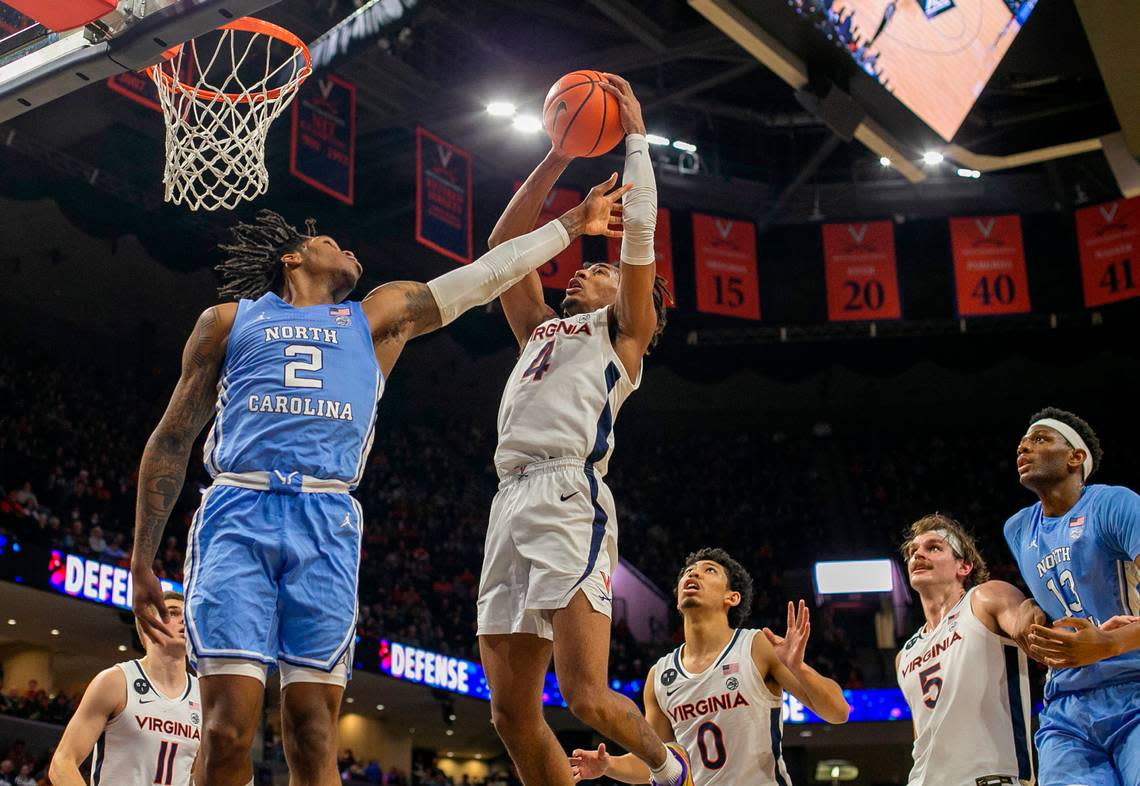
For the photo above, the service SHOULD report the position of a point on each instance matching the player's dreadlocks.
(661, 300)
(254, 266)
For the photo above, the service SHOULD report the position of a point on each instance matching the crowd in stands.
(20, 766)
(70, 442)
(37, 704)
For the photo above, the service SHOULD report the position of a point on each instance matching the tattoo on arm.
(163, 467)
(414, 312)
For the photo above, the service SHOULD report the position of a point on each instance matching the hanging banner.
(556, 273)
(862, 281)
(989, 265)
(322, 152)
(443, 197)
(662, 250)
(138, 87)
(725, 254)
(1107, 236)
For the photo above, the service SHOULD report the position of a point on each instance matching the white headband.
(952, 539)
(1072, 437)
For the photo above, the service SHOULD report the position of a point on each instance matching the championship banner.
(725, 254)
(443, 197)
(859, 263)
(662, 249)
(989, 265)
(1107, 238)
(556, 273)
(322, 151)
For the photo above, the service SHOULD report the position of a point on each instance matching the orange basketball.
(582, 119)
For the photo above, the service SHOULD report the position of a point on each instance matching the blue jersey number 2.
(541, 363)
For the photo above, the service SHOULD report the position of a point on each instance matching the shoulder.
(1102, 494)
(995, 593)
(108, 690)
(1015, 522)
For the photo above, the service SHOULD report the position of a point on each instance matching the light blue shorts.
(272, 576)
(1091, 738)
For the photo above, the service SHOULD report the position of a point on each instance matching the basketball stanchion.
(220, 93)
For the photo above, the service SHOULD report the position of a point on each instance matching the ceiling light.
(932, 157)
(501, 109)
(122, 647)
(884, 161)
(527, 123)
(972, 173)
(380, 707)
(478, 756)
(685, 146)
(11, 622)
(55, 631)
(349, 700)
(449, 732)
(656, 139)
(451, 716)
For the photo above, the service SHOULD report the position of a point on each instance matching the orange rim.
(250, 25)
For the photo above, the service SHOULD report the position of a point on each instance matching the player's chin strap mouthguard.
(639, 205)
(496, 271)
(1072, 437)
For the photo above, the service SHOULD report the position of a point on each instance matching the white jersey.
(725, 717)
(563, 396)
(968, 691)
(154, 740)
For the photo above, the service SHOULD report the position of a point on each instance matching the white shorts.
(552, 532)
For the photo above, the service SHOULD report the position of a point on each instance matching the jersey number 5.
(541, 363)
(931, 685)
(315, 362)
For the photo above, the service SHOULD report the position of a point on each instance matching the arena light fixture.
(55, 631)
(11, 622)
(841, 577)
(380, 707)
(971, 173)
(528, 124)
(349, 700)
(501, 109)
(932, 158)
(687, 147)
(884, 161)
(122, 647)
(449, 732)
(656, 139)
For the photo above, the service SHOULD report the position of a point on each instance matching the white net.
(219, 94)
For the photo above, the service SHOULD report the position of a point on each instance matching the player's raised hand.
(148, 605)
(587, 765)
(791, 646)
(599, 212)
(1071, 642)
(630, 107)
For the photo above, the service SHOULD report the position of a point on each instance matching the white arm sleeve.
(639, 205)
(496, 271)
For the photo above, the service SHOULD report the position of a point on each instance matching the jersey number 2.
(541, 363)
(315, 362)
(720, 755)
(164, 770)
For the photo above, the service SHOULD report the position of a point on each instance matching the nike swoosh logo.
(560, 107)
(565, 497)
(671, 692)
(149, 701)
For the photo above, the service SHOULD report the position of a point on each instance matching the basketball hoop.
(219, 94)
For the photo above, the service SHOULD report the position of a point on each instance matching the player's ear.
(733, 599)
(965, 569)
(1076, 459)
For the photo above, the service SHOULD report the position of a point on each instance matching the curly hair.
(254, 266)
(738, 581)
(936, 521)
(1078, 425)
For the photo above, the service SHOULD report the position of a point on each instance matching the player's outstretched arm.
(163, 468)
(636, 316)
(104, 699)
(1001, 607)
(402, 310)
(587, 765)
(523, 303)
(782, 657)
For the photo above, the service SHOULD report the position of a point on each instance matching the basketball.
(582, 119)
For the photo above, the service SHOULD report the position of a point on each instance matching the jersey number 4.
(541, 363)
(164, 770)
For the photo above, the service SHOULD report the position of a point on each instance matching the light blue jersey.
(1082, 564)
(297, 393)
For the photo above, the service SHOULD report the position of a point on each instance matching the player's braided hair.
(254, 266)
(936, 521)
(738, 581)
(1076, 424)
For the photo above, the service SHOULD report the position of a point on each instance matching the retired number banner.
(662, 249)
(323, 148)
(1107, 236)
(725, 254)
(859, 263)
(443, 197)
(556, 273)
(989, 265)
